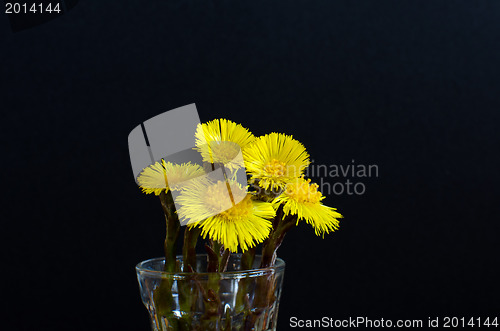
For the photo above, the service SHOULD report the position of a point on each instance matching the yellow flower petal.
(243, 224)
(303, 199)
(221, 140)
(275, 159)
(166, 175)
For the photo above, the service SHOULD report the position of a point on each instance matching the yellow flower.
(303, 199)
(207, 205)
(166, 175)
(220, 141)
(275, 159)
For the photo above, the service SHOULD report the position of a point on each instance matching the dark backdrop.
(411, 86)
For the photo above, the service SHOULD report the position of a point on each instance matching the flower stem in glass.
(163, 293)
(173, 227)
(191, 235)
(275, 239)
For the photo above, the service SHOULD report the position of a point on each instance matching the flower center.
(224, 151)
(302, 191)
(240, 210)
(217, 199)
(216, 196)
(275, 168)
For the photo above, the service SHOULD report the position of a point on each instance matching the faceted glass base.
(232, 300)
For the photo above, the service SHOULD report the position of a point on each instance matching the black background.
(411, 86)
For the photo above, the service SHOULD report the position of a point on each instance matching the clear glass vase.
(232, 300)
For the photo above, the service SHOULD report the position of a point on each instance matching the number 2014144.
(31, 8)
(455, 322)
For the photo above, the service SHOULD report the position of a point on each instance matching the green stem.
(277, 219)
(213, 306)
(214, 255)
(264, 287)
(264, 290)
(173, 227)
(162, 295)
(247, 258)
(224, 260)
(187, 286)
(275, 239)
(191, 236)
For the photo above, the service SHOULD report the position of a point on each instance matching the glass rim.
(279, 265)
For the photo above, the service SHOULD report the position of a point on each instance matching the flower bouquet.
(241, 193)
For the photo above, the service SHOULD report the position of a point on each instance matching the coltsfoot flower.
(302, 198)
(275, 159)
(163, 175)
(210, 206)
(220, 141)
